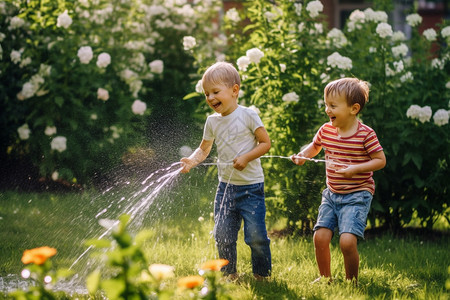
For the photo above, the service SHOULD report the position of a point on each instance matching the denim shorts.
(348, 212)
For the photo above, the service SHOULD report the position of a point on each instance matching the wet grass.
(410, 267)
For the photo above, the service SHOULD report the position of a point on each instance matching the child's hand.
(187, 164)
(347, 172)
(240, 163)
(297, 159)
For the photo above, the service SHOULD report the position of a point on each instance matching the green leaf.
(93, 282)
(102, 243)
(417, 159)
(191, 95)
(59, 101)
(113, 288)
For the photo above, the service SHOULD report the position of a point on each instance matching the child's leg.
(352, 223)
(227, 223)
(322, 239)
(348, 243)
(251, 205)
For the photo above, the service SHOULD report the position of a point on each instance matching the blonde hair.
(222, 73)
(353, 89)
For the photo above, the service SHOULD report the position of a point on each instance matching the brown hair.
(222, 73)
(353, 89)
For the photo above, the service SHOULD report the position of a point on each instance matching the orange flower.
(38, 256)
(190, 282)
(214, 265)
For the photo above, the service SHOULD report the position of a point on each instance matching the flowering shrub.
(40, 271)
(408, 108)
(79, 78)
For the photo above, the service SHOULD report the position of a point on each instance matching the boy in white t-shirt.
(241, 139)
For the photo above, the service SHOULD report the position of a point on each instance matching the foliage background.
(301, 54)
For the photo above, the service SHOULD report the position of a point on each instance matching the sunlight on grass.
(181, 225)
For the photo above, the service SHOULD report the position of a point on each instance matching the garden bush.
(82, 81)
(286, 54)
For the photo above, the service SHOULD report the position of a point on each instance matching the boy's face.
(220, 98)
(339, 112)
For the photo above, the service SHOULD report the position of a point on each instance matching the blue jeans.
(233, 204)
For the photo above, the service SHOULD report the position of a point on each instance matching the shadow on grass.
(272, 289)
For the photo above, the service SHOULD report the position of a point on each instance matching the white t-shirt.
(234, 135)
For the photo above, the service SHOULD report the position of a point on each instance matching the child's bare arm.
(377, 162)
(199, 155)
(263, 146)
(310, 151)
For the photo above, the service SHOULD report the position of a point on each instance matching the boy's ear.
(236, 89)
(355, 108)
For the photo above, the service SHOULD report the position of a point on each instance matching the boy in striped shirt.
(352, 153)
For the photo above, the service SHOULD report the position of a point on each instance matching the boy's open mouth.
(332, 119)
(217, 104)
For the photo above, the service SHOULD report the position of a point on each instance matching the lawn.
(411, 266)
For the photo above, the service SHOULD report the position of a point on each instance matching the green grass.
(412, 267)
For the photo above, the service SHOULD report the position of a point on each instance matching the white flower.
(445, 32)
(254, 55)
(399, 66)
(102, 94)
(243, 63)
(103, 60)
(28, 90)
(408, 76)
(314, 8)
(339, 61)
(269, 16)
(437, 63)
(298, 9)
(357, 16)
(59, 143)
(338, 37)
(318, 29)
(185, 151)
(447, 85)
(199, 87)
(398, 36)
(441, 117)
(16, 56)
(156, 66)
(255, 109)
(55, 175)
(201, 219)
(290, 97)
(16, 22)
(24, 132)
(425, 114)
(233, 15)
(430, 34)
(241, 93)
(282, 68)
(400, 50)
(138, 107)
(64, 20)
(189, 42)
(25, 62)
(384, 30)
(85, 54)
(94, 117)
(375, 16)
(413, 20)
(161, 272)
(50, 130)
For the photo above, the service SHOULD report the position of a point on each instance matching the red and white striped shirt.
(343, 151)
